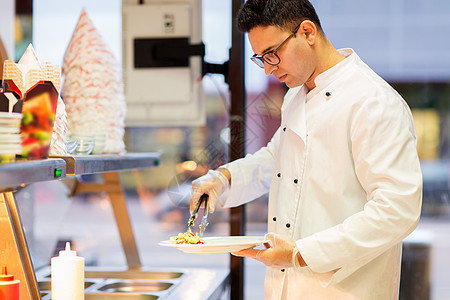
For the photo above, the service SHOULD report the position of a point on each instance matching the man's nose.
(268, 68)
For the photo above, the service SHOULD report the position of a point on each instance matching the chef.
(342, 170)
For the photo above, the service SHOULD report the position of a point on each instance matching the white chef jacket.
(344, 182)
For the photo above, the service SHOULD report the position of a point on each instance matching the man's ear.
(309, 30)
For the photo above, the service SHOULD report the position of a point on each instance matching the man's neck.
(327, 57)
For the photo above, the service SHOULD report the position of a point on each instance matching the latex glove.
(282, 252)
(213, 183)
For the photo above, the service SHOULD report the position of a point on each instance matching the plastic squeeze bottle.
(9, 288)
(67, 271)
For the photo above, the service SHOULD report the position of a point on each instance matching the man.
(342, 171)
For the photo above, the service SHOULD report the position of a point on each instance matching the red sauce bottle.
(9, 288)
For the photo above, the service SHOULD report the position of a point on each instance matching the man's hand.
(212, 183)
(281, 253)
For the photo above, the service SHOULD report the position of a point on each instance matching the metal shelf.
(24, 172)
(90, 164)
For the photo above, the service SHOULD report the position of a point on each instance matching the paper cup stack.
(59, 144)
(93, 88)
(10, 141)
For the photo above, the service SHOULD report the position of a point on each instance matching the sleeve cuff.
(295, 261)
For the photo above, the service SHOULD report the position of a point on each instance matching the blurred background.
(406, 42)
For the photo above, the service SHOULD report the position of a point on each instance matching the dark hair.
(286, 14)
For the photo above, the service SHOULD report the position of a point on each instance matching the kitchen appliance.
(162, 62)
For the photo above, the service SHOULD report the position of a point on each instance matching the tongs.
(204, 222)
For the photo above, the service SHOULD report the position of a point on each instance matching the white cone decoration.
(60, 129)
(93, 87)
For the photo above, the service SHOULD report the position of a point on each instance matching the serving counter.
(13, 246)
(108, 166)
(132, 282)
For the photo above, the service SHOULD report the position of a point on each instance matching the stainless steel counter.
(24, 172)
(210, 284)
(90, 164)
(148, 283)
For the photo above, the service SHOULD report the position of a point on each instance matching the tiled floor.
(89, 223)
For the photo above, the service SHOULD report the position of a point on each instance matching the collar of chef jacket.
(329, 76)
(293, 108)
(326, 79)
(293, 111)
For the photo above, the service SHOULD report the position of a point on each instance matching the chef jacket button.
(295, 180)
(282, 270)
(288, 225)
(279, 174)
(328, 94)
(274, 219)
(284, 129)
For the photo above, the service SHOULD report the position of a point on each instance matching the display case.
(13, 245)
(133, 281)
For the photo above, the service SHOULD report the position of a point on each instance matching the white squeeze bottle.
(67, 275)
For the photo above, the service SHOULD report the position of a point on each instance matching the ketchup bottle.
(9, 288)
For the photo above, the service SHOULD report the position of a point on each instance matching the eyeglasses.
(271, 57)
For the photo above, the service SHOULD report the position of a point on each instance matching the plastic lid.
(68, 252)
(5, 276)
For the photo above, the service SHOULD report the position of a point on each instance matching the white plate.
(10, 138)
(8, 115)
(219, 244)
(9, 152)
(10, 146)
(14, 122)
(7, 135)
(14, 150)
(10, 143)
(9, 129)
